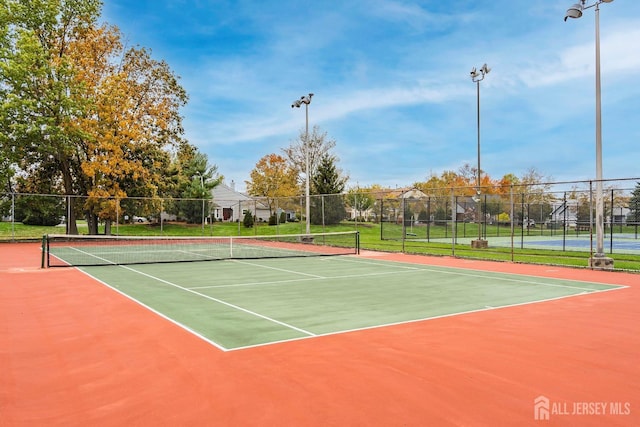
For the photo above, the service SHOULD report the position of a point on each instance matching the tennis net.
(61, 250)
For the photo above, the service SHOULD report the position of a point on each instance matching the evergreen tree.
(327, 182)
(194, 184)
(248, 219)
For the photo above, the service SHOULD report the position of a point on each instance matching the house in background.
(231, 205)
(417, 205)
(620, 215)
(563, 215)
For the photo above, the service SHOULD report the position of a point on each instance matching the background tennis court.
(621, 243)
(241, 303)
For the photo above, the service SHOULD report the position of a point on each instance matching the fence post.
(511, 212)
(13, 216)
(428, 218)
(564, 222)
(381, 217)
(611, 226)
(255, 217)
(454, 222)
(161, 218)
(322, 204)
(404, 225)
(446, 223)
(522, 225)
(636, 217)
(591, 218)
(484, 218)
(68, 221)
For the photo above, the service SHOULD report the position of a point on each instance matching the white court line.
(279, 269)
(151, 309)
(507, 277)
(423, 319)
(456, 271)
(310, 279)
(408, 269)
(237, 307)
(228, 304)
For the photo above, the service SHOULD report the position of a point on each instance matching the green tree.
(39, 210)
(328, 206)
(77, 101)
(248, 219)
(39, 89)
(34, 209)
(195, 190)
(360, 201)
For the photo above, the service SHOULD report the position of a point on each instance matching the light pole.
(477, 76)
(306, 100)
(598, 260)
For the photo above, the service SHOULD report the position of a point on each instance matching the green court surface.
(236, 304)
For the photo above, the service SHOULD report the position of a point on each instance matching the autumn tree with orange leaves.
(273, 178)
(131, 117)
(102, 117)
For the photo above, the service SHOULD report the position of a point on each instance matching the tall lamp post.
(306, 100)
(598, 260)
(477, 76)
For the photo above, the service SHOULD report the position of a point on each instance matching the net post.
(357, 242)
(44, 249)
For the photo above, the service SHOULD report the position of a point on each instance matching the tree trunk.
(72, 226)
(92, 223)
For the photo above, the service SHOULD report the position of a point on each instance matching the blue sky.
(392, 86)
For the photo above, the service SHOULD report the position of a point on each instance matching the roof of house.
(406, 193)
(225, 193)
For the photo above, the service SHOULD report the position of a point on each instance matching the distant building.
(231, 205)
(389, 202)
(563, 215)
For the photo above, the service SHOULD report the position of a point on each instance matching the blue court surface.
(621, 243)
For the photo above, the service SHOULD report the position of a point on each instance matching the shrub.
(248, 219)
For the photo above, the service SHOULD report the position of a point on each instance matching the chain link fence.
(555, 216)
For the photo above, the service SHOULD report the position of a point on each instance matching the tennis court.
(620, 243)
(358, 339)
(242, 303)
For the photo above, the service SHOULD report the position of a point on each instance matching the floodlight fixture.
(478, 75)
(574, 11)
